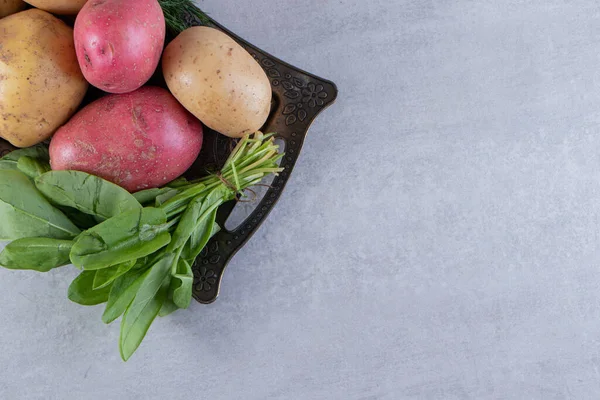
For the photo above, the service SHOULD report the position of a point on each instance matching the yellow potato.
(41, 84)
(8, 7)
(61, 7)
(217, 81)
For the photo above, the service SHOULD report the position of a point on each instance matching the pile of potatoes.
(136, 136)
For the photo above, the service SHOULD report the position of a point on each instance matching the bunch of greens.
(135, 250)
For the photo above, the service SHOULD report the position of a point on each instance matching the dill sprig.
(181, 14)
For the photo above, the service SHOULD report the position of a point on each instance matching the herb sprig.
(181, 14)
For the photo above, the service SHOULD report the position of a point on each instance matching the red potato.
(137, 140)
(119, 42)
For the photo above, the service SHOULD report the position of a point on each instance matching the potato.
(61, 7)
(139, 140)
(8, 7)
(41, 84)
(119, 42)
(217, 81)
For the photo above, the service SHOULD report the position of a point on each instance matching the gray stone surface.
(439, 239)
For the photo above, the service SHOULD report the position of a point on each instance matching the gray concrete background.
(439, 238)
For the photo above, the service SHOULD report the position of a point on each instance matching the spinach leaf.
(81, 290)
(87, 193)
(38, 254)
(168, 308)
(180, 199)
(32, 167)
(81, 220)
(155, 197)
(106, 276)
(182, 284)
(179, 182)
(141, 264)
(165, 196)
(145, 306)
(200, 237)
(39, 152)
(187, 223)
(24, 212)
(128, 236)
(148, 196)
(122, 293)
(206, 227)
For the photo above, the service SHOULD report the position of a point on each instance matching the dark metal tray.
(298, 97)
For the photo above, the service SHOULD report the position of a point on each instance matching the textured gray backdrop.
(439, 238)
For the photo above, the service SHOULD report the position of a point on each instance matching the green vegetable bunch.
(135, 250)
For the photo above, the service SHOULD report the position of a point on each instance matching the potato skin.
(41, 84)
(8, 7)
(139, 140)
(119, 42)
(217, 81)
(60, 7)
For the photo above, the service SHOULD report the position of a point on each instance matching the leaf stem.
(253, 158)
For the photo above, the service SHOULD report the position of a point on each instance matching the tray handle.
(299, 98)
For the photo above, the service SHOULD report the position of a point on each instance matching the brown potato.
(217, 81)
(8, 7)
(61, 7)
(41, 84)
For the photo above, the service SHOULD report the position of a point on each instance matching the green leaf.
(81, 290)
(149, 196)
(168, 308)
(206, 227)
(165, 196)
(10, 161)
(106, 276)
(200, 237)
(38, 254)
(24, 212)
(187, 223)
(86, 193)
(128, 236)
(181, 198)
(179, 182)
(32, 167)
(122, 293)
(81, 220)
(182, 284)
(142, 263)
(145, 306)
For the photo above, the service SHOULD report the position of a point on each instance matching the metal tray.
(298, 97)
